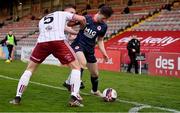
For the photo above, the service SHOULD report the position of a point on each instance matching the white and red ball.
(109, 95)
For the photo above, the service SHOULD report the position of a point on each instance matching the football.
(109, 95)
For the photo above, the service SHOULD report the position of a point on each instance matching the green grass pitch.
(141, 93)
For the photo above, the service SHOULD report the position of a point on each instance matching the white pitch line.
(119, 100)
(41, 84)
(136, 109)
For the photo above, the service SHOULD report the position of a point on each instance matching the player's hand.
(7, 42)
(72, 23)
(106, 58)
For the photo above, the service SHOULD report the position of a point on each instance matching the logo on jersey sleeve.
(48, 28)
(89, 32)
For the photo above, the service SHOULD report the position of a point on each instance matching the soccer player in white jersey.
(52, 40)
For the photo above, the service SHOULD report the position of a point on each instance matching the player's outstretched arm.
(102, 48)
(70, 30)
(80, 19)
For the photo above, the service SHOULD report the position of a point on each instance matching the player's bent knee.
(83, 66)
(74, 65)
(95, 74)
(32, 66)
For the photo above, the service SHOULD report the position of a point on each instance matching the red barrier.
(151, 41)
(114, 62)
(165, 64)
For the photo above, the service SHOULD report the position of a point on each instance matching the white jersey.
(51, 27)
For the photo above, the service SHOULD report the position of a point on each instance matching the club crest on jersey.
(89, 32)
(98, 28)
(77, 47)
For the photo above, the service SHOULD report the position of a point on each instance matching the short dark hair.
(69, 6)
(106, 11)
(101, 5)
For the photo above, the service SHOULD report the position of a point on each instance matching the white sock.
(68, 80)
(23, 82)
(75, 82)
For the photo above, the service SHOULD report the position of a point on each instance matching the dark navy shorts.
(88, 52)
